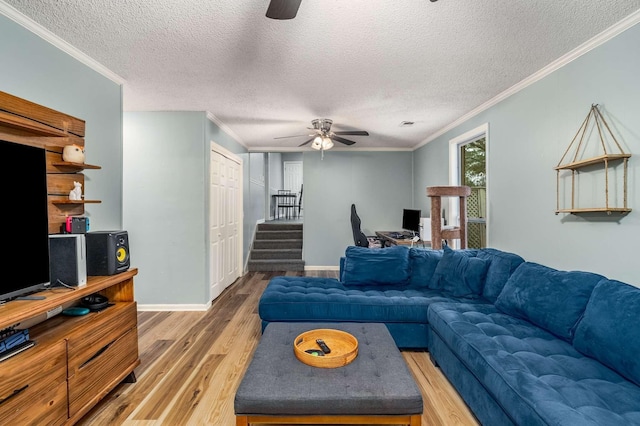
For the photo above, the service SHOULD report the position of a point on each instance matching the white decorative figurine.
(73, 154)
(76, 192)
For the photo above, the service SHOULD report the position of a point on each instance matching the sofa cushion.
(501, 266)
(327, 299)
(367, 266)
(459, 273)
(609, 330)
(536, 377)
(549, 298)
(423, 264)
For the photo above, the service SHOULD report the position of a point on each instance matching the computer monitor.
(411, 220)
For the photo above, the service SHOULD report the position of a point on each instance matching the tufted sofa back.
(423, 263)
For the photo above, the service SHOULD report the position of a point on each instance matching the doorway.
(225, 219)
(468, 166)
(293, 179)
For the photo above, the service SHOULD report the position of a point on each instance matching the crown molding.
(585, 47)
(345, 149)
(225, 128)
(31, 25)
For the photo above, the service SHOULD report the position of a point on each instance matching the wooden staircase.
(277, 247)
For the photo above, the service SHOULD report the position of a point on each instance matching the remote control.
(323, 346)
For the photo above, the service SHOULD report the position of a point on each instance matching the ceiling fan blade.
(304, 143)
(342, 140)
(294, 136)
(283, 9)
(352, 133)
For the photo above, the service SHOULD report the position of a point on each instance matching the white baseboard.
(322, 268)
(177, 308)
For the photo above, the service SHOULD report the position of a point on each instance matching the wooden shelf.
(78, 166)
(17, 311)
(607, 142)
(37, 119)
(76, 201)
(591, 161)
(595, 210)
(33, 127)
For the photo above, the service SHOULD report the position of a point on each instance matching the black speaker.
(107, 252)
(68, 263)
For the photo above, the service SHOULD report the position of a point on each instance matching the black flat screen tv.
(411, 220)
(25, 223)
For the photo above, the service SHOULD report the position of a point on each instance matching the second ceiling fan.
(322, 136)
(283, 9)
(286, 9)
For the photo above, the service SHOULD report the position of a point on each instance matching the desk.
(283, 200)
(386, 237)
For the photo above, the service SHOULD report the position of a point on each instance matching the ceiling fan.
(283, 9)
(286, 9)
(322, 137)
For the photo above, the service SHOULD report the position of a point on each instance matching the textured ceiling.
(365, 64)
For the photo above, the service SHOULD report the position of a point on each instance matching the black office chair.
(359, 238)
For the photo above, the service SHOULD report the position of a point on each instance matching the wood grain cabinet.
(33, 386)
(76, 361)
(95, 355)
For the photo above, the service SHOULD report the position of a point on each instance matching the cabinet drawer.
(103, 329)
(95, 377)
(33, 386)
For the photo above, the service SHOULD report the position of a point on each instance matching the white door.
(225, 220)
(293, 175)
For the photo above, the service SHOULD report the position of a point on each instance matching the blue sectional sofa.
(523, 343)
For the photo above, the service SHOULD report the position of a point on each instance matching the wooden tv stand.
(76, 361)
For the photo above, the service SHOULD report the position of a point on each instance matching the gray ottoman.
(377, 387)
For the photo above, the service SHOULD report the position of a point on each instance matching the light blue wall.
(35, 70)
(528, 134)
(254, 211)
(165, 172)
(166, 165)
(378, 183)
(275, 180)
(291, 156)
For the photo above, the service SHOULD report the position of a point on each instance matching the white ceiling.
(365, 64)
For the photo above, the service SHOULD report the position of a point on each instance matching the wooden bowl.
(344, 348)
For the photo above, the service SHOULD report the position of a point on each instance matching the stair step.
(278, 235)
(276, 254)
(276, 265)
(279, 227)
(278, 244)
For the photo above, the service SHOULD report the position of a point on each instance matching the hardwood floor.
(192, 363)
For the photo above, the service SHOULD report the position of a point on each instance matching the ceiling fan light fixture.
(317, 142)
(327, 143)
